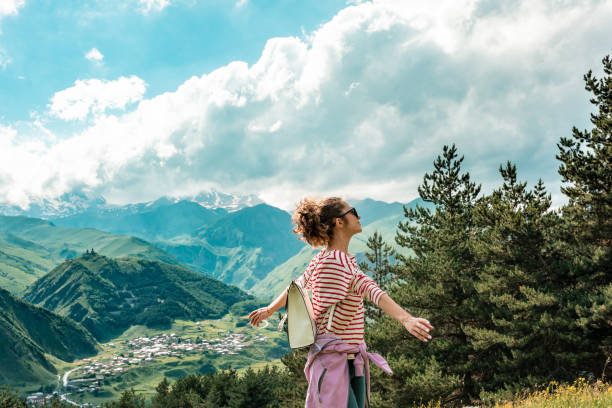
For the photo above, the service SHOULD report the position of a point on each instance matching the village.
(138, 352)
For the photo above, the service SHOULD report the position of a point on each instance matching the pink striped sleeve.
(365, 287)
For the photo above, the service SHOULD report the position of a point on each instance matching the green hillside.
(28, 333)
(195, 253)
(278, 279)
(261, 226)
(30, 247)
(108, 295)
(241, 266)
(21, 262)
(241, 248)
(372, 210)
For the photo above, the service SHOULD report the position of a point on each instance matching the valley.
(141, 357)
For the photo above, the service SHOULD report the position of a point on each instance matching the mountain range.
(237, 247)
(248, 248)
(241, 248)
(81, 201)
(157, 221)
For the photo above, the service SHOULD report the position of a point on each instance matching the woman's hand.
(418, 327)
(260, 314)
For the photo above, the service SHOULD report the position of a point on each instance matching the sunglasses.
(353, 211)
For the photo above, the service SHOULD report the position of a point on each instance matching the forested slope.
(28, 332)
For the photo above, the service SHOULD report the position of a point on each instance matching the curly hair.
(314, 219)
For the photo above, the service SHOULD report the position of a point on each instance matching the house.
(36, 399)
(39, 398)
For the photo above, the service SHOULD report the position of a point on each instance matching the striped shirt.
(338, 289)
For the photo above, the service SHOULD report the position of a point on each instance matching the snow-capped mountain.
(212, 199)
(215, 199)
(80, 202)
(65, 205)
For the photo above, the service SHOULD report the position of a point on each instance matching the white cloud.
(5, 59)
(361, 108)
(148, 6)
(241, 3)
(96, 96)
(10, 7)
(7, 8)
(352, 86)
(94, 55)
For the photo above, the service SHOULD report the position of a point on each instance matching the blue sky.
(47, 40)
(143, 98)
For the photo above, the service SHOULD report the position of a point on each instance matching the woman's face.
(351, 224)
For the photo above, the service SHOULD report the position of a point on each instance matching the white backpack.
(301, 325)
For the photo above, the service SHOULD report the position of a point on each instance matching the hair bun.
(314, 219)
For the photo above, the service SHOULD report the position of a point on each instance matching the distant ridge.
(107, 296)
(28, 332)
(237, 247)
(30, 247)
(242, 247)
(158, 221)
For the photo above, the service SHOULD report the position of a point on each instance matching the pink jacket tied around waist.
(327, 371)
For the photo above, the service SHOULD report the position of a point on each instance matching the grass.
(579, 394)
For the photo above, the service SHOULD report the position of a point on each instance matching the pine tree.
(128, 399)
(438, 283)
(520, 287)
(586, 165)
(10, 398)
(379, 265)
(586, 168)
(294, 363)
(161, 399)
(379, 257)
(260, 388)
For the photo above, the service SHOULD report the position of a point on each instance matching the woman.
(338, 290)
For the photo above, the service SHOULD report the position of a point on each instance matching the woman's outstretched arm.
(416, 326)
(263, 313)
